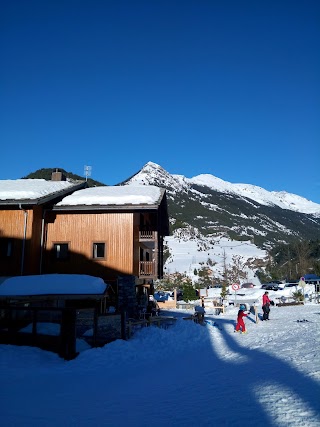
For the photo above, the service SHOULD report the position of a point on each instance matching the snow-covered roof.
(139, 195)
(52, 284)
(34, 191)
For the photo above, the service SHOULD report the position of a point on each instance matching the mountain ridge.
(236, 211)
(46, 174)
(283, 198)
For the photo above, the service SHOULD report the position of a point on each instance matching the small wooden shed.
(55, 312)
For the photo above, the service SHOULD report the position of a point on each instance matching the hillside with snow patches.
(226, 223)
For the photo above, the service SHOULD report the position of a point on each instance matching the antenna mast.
(87, 171)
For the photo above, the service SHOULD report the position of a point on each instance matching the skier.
(240, 322)
(266, 306)
(199, 313)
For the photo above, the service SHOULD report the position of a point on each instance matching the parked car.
(247, 285)
(179, 295)
(290, 285)
(161, 296)
(272, 286)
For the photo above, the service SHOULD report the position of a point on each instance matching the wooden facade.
(15, 234)
(80, 231)
(21, 232)
(129, 249)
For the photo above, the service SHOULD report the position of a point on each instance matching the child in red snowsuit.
(240, 322)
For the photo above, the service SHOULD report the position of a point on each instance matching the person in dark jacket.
(153, 308)
(240, 326)
(266, 306)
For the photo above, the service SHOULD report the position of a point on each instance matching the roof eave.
(105, 207)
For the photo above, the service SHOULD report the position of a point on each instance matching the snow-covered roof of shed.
(52, 284)
(114, 195)
(31, 190)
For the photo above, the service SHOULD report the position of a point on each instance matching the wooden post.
(95, 326)
(68, 334)
(129, 329)
(123, 325)
(34, 326)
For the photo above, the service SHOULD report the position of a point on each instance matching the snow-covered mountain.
(152, 173)
(215, 220)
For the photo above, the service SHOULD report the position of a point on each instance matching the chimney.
(58, 176)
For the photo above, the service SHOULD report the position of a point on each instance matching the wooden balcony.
(147, 269)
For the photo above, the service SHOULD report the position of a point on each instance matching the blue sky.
(229, 88)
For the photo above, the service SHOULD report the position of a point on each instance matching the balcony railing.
(147, 235)
(147, 269)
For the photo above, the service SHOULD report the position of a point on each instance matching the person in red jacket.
(240, 322)
(266, 306)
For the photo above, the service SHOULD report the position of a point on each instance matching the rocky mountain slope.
(217, 215)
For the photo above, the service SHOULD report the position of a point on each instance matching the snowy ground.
(186, 375)
(253, 296)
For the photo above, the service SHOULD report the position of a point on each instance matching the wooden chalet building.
(115, 233)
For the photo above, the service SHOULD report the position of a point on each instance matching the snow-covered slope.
(264, 197)
(187, 257)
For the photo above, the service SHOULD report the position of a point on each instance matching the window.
(6, 246)
(99, 250)
(61, 251)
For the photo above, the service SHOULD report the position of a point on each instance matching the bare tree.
(303, 257)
